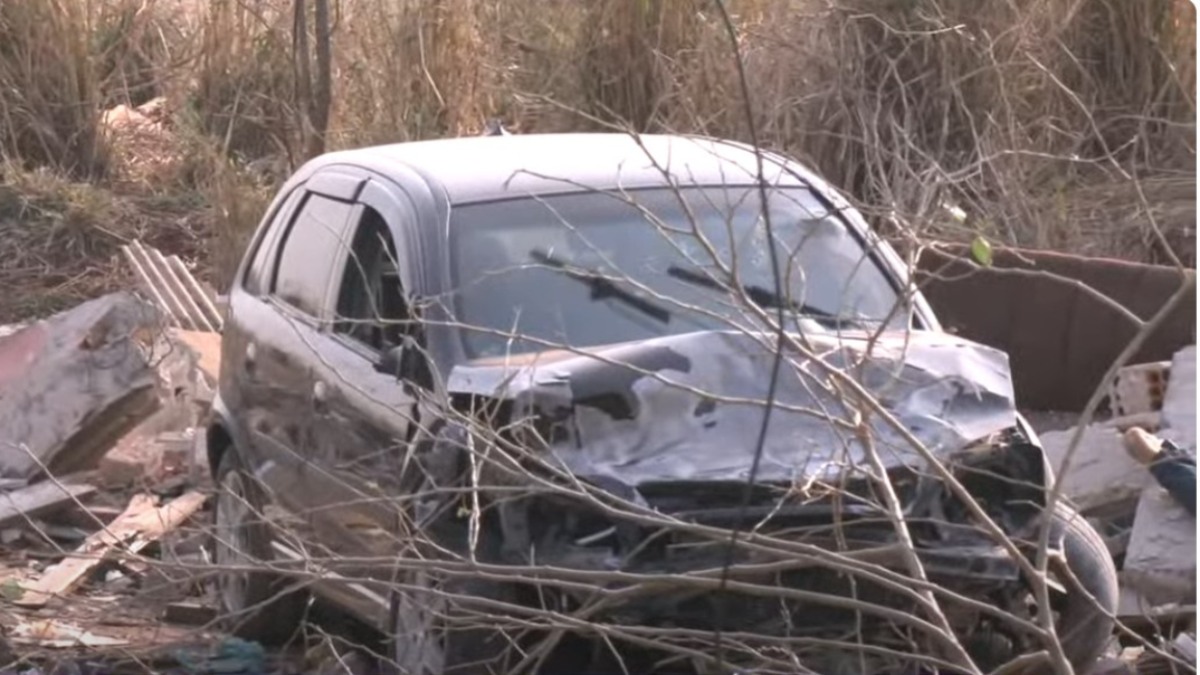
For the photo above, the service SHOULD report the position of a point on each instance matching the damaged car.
(620, 387)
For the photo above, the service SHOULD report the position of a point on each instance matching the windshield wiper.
(602, 287)
(759, 295)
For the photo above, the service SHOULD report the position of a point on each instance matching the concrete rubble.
(72, 385)
(1161, 561)
(101, 465)
(1153, 537)
(1101, 472)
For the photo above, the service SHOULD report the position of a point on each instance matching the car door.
(280, 322)
(363, 417)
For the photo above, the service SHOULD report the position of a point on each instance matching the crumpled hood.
(689, 407)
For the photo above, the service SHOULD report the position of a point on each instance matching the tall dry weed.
(49, 97)
(1018, 112)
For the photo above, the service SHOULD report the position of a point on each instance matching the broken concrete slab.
(18, 506)
(73, 384)
(1179, 404)
(1160, 563)
(1101, 471)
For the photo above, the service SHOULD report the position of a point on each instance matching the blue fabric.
(1176, 472)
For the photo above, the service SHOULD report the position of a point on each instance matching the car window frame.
(399, 217)
(871, 250)
(260, 257)
(280, 246)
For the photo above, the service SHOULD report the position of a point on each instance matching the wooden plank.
(39, 498)
(140, 524)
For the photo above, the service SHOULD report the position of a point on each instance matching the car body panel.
(687, 407)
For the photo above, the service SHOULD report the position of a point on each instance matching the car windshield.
(595, 268)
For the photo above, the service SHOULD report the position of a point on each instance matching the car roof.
(486, 168)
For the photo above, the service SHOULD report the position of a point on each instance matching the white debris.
(1160, 563)
(1161, 560)
(57, 634)
(1179, 406)
(1139, 388)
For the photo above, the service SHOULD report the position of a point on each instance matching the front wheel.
(1085, 613)
(434, 633)
(255, 605)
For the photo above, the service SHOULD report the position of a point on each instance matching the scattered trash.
(190, 613)
(142, 523)
(1152, 533)
(233, 656)
(21, 505)
(51, 633)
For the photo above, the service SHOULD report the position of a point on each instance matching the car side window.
(371, 304)
(255, 280)
(308, 255)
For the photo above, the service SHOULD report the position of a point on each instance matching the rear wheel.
(255, 605)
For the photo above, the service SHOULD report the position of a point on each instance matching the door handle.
(320, 396)
(249, 357)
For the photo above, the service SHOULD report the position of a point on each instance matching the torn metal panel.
(689, 406)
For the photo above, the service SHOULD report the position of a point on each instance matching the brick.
(137, 458)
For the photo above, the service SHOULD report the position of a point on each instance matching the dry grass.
(60, 239)
(1053, 123)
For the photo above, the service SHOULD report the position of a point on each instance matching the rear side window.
(310, 252)
(256, 280)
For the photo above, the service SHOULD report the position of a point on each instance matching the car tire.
(1085, 616)
(427, 637)
(258, 605)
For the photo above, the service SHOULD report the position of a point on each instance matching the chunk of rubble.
(1101, 471)
(207, 347)
(19, 506)
(73, 384)
(1160, 564)
(1179, 405)
(137, 458)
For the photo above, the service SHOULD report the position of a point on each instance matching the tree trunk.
(322, 92)
(300, 61)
